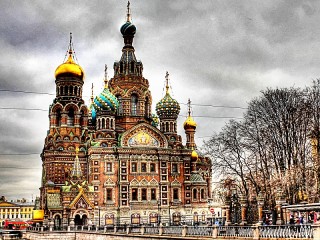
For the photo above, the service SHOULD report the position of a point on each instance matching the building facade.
(115, 162)
(20, 210)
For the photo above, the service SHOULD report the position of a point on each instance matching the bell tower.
(128, 83)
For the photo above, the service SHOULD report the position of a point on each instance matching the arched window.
(70, 90)
(82, 119)
(65, 90)
(70, 121)
(171, 127)
(132, 67)
(202, 194)
(121, 67)
(147, 108)
(194, 193)
(120, 108)
(108, 124)
(111, 123)
(103, 124)
(167, 127)
(58, 117)
(134, 104)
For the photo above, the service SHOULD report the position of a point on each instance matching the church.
(116, 162)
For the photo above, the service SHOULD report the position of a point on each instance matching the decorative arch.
(144, 182)
(109, 183)
(56, 107)
(134, 90)
(143, 135)
(154, 182)
(118, 91)
(81, 212)
(134, 182)
(176, 183)
(71, 105)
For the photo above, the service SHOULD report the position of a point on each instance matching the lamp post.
(159, 203)
(169, 215)
(99, 216)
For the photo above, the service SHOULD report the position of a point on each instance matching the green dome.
(168, 107)
(106, 101)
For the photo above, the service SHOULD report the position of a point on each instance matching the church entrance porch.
(81, 220)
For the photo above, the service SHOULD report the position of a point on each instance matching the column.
(279, 202)
(227, 210)
(260, 200)
(243, 203)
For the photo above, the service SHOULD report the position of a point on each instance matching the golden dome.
(194, 155)
(189, 123)
(69, 68)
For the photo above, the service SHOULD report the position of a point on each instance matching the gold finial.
(167, 82)
(92, 93)
(70, 45)
(128, 12)
(105, 76)
(77, 151)
(70, 51)
(189, 107)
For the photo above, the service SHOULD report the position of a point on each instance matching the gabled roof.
(83, 196)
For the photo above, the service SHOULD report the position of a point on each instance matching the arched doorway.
(80, 220)
(57, 222)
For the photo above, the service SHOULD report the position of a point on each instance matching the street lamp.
(159, 204)
(169, 214)
(99, 216)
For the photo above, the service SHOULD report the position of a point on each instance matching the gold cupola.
(69, 67)
(194, 155)
(189, 123)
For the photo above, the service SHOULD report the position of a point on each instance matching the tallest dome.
(128, 29)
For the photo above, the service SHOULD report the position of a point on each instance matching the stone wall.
(96, 236)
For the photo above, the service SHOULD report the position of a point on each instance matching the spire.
(92, 94)
(189, 108)
(70, 50)
(105, 76)
(167, 82)
(128, 12)
(76, 169)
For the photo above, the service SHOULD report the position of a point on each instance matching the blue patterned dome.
(168, 107)
(106, 101)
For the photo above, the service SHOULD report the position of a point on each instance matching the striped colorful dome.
(106, 101)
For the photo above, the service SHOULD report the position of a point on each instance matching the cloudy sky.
(219, 53)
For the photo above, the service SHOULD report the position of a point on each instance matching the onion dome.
(69, 67)
(167, 107)
(128, 29)
(194, 155)
(189, 123)
(106, 101)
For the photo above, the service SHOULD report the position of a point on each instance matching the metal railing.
(286, 231)
(270, 231)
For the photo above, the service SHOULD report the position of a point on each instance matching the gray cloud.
(217, 52)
